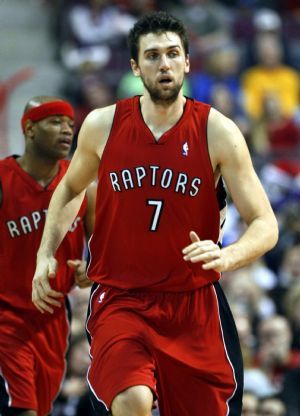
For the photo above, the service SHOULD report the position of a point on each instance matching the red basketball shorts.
(32, 359)
(183, 346)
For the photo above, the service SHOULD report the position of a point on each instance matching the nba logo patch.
(185, 149)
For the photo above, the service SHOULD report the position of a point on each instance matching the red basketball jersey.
(150, 196)
(22, 218)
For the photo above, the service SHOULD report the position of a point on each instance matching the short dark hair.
(156, 22)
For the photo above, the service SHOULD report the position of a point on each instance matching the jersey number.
(158, 206)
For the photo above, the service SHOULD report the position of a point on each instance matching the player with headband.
(33, 345)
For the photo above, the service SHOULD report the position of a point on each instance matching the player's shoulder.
(96, 127)
(7, 163)
(223, 135)
(100, 117)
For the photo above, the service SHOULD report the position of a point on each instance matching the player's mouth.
(165, 80)
(66, 143)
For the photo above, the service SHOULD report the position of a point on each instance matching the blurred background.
(245, 61)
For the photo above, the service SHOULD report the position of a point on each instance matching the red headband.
(53, 108)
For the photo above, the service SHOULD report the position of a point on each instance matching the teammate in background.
(33, 346)
(158, 321)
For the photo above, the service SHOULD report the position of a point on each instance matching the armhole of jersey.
(113, 127)
(204, 120)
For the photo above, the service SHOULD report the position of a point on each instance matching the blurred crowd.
(245, 61)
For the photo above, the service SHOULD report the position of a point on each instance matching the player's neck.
(42, 171)
(160, 118)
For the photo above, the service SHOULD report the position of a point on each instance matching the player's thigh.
(117, 367)
(17, 379)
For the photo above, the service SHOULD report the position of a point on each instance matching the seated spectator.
(288, 216)
(75, 389)
(275, 135)
(275, 358)
(95, 27)
(209, 26)
(289, 271)
(270, 77)
(246, 337)
(245, 296)
(250, 404)
(272, 406)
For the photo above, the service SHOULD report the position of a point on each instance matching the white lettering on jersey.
(32, 222)
(114, 181)
(140, 172)
(25, 224)
(164, 178)
(13, 229)
(36, 216)
(127, 179)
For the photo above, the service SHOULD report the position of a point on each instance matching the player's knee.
(134, 401)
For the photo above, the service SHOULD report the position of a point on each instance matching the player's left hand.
(205, 251)
(79, 267)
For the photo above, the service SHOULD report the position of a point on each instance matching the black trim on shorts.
(98, 407)
(93, 288)
(4, 397)
(233, 349)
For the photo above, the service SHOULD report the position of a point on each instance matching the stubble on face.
(162, 97)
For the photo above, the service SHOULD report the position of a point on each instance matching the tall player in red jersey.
(158, 321)
(33, 346)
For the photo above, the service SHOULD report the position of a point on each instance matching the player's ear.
(29, 128)
(135, 68)
(187, 64)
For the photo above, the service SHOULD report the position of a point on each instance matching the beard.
(162, 97)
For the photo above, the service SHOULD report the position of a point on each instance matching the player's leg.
(134, 401)
(17, 377)
(121, 374)
(50, 348)
(199, 366)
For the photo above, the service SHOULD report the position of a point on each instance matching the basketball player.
(158, 321)
(33, 346)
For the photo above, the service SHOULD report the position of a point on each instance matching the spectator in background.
(288, 215)
(246, 297)
(270, 77)
(250, 404)
(272, 406)
(289, 271)
(74, 391)
(218, 84)
(275, 136)
(275, 357)
(96, 26)
(209, 25)
(246, 337)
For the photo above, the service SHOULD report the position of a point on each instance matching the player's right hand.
(43, 296)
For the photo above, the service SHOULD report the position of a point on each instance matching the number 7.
(158, 204)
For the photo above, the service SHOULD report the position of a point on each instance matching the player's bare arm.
(66, 201)
(79, 266)
(230, 158)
